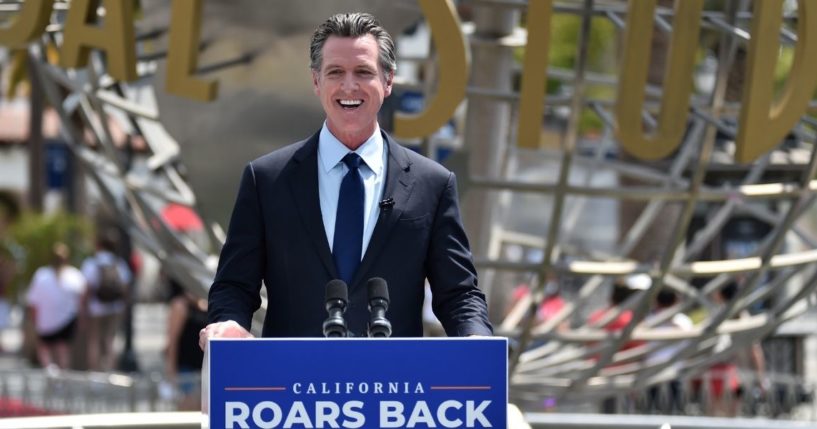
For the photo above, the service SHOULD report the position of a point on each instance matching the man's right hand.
(228, 329)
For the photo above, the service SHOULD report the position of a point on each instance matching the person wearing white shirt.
(55, 299)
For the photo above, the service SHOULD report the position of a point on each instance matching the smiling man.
(347, 203)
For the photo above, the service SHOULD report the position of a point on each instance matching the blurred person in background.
(183, 357)
(7, 271)
(725, 383)
(108, 277)
(667, 398)
(623, 289)
(6, 276)
(553, 302)
(55, 300)
(551, 305)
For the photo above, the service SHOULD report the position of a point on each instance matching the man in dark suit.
(347, 203)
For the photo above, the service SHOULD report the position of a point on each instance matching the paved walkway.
(148, 340)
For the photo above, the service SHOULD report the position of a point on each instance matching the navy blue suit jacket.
(276, 235)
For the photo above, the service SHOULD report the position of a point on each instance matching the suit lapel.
(304, 187)
(399, 183)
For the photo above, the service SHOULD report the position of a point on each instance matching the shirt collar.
(331, 151)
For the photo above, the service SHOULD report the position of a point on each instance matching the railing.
(604, 421)
(712, 394)
(156, 420)
(97, 400)
(192, 420)
(30, 392)
(777, 396)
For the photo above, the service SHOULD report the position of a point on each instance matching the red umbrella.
(181, 218)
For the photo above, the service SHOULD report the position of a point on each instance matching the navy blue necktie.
(348, 242)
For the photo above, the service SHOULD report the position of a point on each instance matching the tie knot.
(352, 160)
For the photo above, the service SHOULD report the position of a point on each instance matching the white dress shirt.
(331, 171)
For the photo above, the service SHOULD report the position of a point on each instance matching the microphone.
(337, 297)
(379, 326)
(386, 204)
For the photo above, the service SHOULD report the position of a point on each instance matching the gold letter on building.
(115, 37)
(453, 72)
(183, 53)
(763, 124)
(29, 23)
(534, 74)
(677, 79)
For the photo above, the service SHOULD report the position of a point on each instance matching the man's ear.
(315, 79)
(389, 82)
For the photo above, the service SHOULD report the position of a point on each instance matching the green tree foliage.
(31, 237)
(564, 50)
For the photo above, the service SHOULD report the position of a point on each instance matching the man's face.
(351, 86)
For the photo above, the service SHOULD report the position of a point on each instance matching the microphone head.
(337, 290)
(378, 289)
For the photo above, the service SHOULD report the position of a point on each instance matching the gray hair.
(352, 25)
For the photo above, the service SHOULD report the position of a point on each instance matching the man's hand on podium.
(228, 329)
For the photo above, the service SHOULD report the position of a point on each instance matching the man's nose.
(349, 82)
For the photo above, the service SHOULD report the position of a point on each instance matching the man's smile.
(350, 104)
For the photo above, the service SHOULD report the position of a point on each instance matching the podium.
(355, 383)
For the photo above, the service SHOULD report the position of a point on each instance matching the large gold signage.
(185, 27)
(115, 37)
(677, 77)
(452, 57)
(29, 23)
(531, 100)
(764, 120)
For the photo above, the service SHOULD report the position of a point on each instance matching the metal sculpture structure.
(100, 118)
(574, 356)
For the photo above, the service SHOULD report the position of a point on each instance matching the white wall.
(14, 168)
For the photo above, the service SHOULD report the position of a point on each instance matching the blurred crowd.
(724, 385)
(63, 300)
(75, 308)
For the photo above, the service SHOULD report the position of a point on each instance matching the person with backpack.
(108, 278)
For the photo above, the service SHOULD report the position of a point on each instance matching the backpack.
(111, 287)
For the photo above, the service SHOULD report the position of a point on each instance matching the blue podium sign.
(356, 383)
